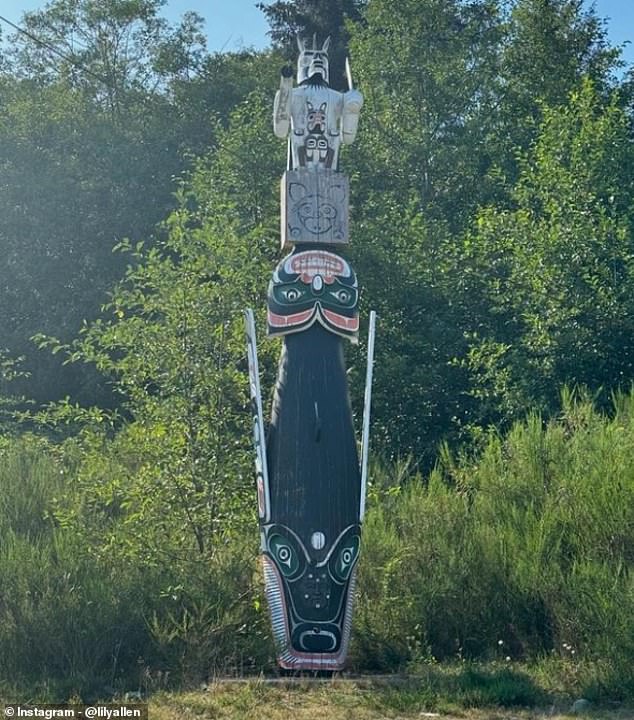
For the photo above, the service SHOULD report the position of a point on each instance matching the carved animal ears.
(297, 191)
(337, 193)
(301, 43)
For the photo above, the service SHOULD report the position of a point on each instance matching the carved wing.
(259, 440)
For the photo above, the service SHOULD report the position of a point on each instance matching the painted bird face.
(313, 286)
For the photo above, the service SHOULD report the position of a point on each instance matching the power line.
(73, 61)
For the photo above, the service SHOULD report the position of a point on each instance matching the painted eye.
(344, 565)
(284, 555)
(305, 210)
(342, 562)
(342, 295)
(287, 555)
(292, 294)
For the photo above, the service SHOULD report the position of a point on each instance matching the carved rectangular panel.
(314, 207)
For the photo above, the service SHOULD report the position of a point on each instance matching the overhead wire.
(56, 51)
(69, 58)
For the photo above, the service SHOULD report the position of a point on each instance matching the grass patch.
(357, 700)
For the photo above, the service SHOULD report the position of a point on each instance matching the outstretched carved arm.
(282, 105)
(352, 103)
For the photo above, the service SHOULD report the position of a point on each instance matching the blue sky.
(232, 24)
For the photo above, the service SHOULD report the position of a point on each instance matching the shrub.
(524, 550)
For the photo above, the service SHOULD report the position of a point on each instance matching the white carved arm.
(352, 104)
(282, 104)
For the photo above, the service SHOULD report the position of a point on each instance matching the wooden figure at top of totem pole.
(311, 486)
(316, 120)
(317, 117)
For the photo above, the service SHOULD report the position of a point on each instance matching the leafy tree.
(74, 184)
(445, 110)
(419, 394)
(555, 272)
(173, 343)
(453, 89)
(550, 46)
(88, 160)
(163, 491)
(202, 103)
(429, 73)
(108, 49)
(439, 138)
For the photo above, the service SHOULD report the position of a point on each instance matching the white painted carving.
(315, 118)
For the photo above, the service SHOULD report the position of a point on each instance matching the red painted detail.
(260, 483)
(280, 321)
(318, 262)
(340, 321)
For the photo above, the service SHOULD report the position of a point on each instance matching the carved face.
(316, 118)
(310, 591)
(312, 61)
(316, 218)
(310, 286)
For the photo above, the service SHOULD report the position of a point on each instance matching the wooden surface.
(314, 208)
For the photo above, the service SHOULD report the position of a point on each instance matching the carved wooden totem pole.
(311, 485)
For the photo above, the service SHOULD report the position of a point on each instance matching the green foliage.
(9, 402)
(89, 152)
(172, 342)
(163, 491)
(552, 45)
(439, 139)
(552, 277)
(428, 70)
(424, 101)
(84, 611)
(450, 104)
(522, 551)
(61, 619)
(107, 49)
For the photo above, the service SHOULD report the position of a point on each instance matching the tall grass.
(524, 551)
(80, 615)
(521, 552)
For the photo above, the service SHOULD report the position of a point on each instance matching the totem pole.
(311, 486)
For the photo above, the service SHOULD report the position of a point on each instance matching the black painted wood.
(313, 464)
